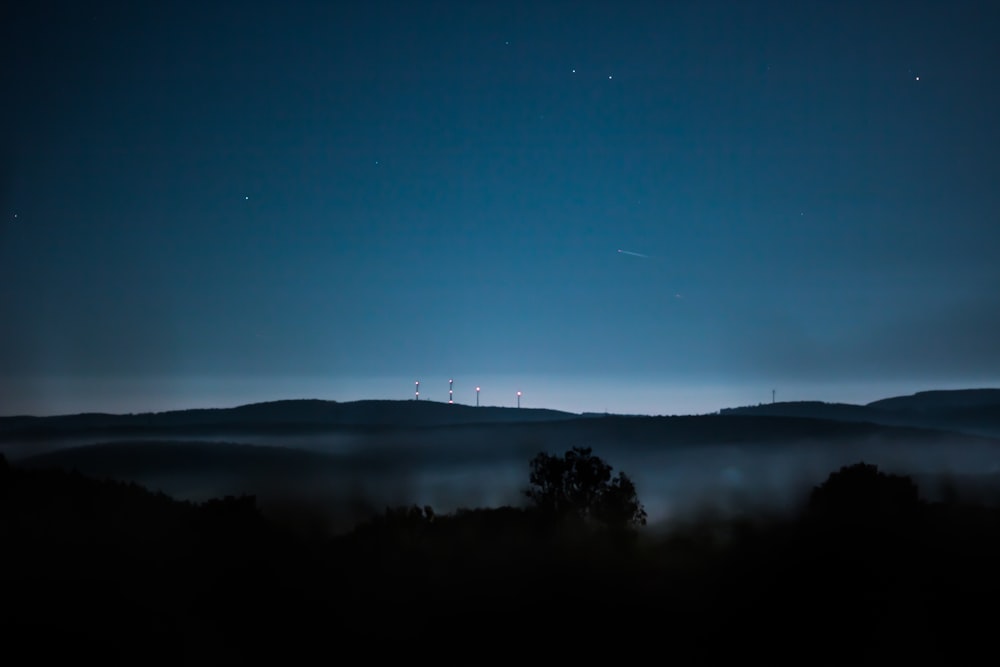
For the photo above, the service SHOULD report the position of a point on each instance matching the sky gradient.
(205, 204)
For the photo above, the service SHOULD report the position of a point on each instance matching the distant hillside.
(306, 488)
(811, 410)
(972, 411)
(305, 414)
(958, 399)
(133, 460)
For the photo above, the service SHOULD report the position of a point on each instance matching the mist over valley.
(340, 463)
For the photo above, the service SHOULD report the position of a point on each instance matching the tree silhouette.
(862, 493)
(580, 484)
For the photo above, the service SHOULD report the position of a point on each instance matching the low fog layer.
(682, 466)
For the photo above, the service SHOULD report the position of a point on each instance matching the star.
(246, 198)
(609, 77)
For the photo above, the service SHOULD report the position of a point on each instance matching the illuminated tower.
(477, 397)
(450, 384)
(417, 395)
(518, 399)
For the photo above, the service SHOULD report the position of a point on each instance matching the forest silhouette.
(865, 571)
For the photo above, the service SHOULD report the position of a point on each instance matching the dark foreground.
(866, 573)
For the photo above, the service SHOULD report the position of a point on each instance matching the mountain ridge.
(970, 411)
(973, 411)
(288, 413)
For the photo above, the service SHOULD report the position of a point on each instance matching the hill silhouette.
(973, 411)
(311, 415)
(941, 400)
(286, 415)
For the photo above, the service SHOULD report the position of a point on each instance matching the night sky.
(212, 203)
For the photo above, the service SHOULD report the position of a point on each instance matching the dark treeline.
(866, 571)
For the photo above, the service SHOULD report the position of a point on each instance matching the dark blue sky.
(211, 203)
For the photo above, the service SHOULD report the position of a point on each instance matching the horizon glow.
(567, 394)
